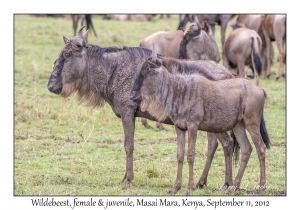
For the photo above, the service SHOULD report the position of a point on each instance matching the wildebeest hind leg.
(260, 146)
(246, 149)
(212, 145)
(180, 157)
(160, 126)
(241, 66)
(128, 121)
(145, 123)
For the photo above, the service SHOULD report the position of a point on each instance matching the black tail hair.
(236, 148)
(263, 132)
(256, 59)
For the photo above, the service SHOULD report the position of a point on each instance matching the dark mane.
(188, 35)
(185, 67)
(135, 52)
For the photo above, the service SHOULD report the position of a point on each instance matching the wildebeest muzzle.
(135, 96)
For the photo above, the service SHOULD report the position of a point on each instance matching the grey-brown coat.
(274, 29)
(243, 48)
(194, 102)
(98, 75)
(196, 42)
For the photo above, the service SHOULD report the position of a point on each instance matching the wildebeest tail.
(256, 62)
(236, 148)
(89, 23)
(263, 132)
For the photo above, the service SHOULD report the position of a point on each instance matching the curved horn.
(80, 31)
(197, 21)
(154, 54)
(85, 36)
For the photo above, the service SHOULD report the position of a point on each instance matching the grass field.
(62, 148)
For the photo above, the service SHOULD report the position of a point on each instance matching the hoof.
(200, 184)
(226, 185)
(232, 189)
(126, 179)
(189, 192)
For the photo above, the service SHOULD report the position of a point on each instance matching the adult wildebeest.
(196, 42)
(273, 28)
(254, 22)
(100, 75)
(82, 17)
(194, 103)
(220, 19)
(243, 48)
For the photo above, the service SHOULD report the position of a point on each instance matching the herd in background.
(248, 45)
(181, 57)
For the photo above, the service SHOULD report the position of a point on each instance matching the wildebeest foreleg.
(128, 121)
(180, 157)
(192, 135)
(246, 149)
(212, 146)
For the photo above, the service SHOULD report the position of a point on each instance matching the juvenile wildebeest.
(243, 48)
(98, 75)
(196, 42)
(194, 103)
(273, 28)
(220, 19)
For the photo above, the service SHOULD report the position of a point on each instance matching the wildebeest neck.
(136, 89)
(186, 38)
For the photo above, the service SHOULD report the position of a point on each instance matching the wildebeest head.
(70, 66)
(144, 81)
(194, 29)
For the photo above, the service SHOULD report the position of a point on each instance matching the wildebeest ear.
(65, 40)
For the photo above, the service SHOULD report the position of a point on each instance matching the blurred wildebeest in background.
(254, 22)
(243, 48)
(196, 42)
(98, 75)
(220, 19)
(193, 102)
(131, 17)
(274, 29)
(82, 17)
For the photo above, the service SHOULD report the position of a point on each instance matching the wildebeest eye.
(66, 54)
